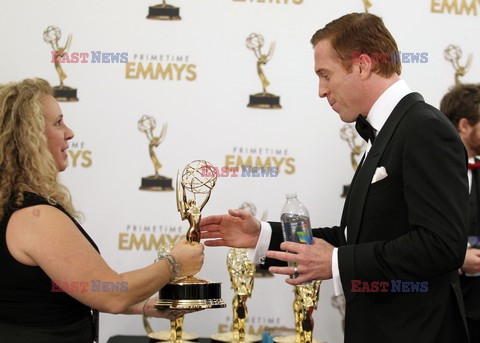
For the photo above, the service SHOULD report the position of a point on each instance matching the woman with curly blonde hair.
(48, 263)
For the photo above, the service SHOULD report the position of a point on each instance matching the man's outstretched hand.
(237, 229)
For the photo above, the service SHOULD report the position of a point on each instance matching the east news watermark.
(392, 57)
(394, 286)
(89, 57)
(85, 286)
(244, 171)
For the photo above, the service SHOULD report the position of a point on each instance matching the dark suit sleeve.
(434, 196)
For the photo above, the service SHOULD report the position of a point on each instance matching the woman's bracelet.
(174, 266)
(143, 309)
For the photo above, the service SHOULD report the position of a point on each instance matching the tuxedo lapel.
(343, 222)
(359, 188)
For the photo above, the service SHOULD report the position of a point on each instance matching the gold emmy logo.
(453, 53)
(255, 43)
(356, 144)
(163, 11)
(367, 4)
(52, 35)
(155, 182)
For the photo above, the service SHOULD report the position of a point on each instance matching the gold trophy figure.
(189, 292)
(242, 273)
(306, 300)
(357, 146)
(52, 35)
(193, 183)
(255, 43)
(453, 53)
(367, 4)
(155, 182)
(163, 11)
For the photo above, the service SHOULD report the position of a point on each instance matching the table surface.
(144, 339)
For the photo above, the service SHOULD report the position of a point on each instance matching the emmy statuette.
(155, 182)
(356, 144)
(267, 100)
(163, 11)
(242, 273)
(306, 300)
(52, 35)
(190, 292)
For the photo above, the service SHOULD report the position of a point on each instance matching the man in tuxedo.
(462, 106)
(404, 220)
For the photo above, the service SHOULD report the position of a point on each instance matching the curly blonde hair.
(26, 164)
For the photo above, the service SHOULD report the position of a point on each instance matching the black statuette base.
(65, 94)
(160, 12)
(156, 183)
(264, 100)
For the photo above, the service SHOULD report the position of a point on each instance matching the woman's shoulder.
(30, 201)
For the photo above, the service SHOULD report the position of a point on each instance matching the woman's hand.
(189, 256)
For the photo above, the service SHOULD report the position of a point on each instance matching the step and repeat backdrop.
(150, 86)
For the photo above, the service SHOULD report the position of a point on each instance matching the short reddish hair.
(362, 32)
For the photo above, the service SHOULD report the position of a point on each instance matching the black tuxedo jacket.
(471, 285)
(410, 227)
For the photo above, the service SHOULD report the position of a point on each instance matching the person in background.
(404, 220)
(54, 280)
(462, 106)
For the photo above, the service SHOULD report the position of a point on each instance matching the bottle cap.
(291, 195)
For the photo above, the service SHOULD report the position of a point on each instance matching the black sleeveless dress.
(29, 310)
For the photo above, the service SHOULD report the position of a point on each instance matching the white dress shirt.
(378, 115)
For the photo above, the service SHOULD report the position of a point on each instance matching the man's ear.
(463, 125)
(364, 66)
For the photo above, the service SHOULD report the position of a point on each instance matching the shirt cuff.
(337, 282)
(258, 255)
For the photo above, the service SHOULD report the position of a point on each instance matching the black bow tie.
(365, 130)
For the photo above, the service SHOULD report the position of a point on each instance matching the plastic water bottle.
(296, 222)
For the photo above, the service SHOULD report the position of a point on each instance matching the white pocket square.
(380, 174)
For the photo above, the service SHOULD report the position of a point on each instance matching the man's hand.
(314, 262)
(471, 265)
(237, 229)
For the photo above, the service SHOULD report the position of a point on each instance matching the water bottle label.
(304, 234)
(299, 232)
